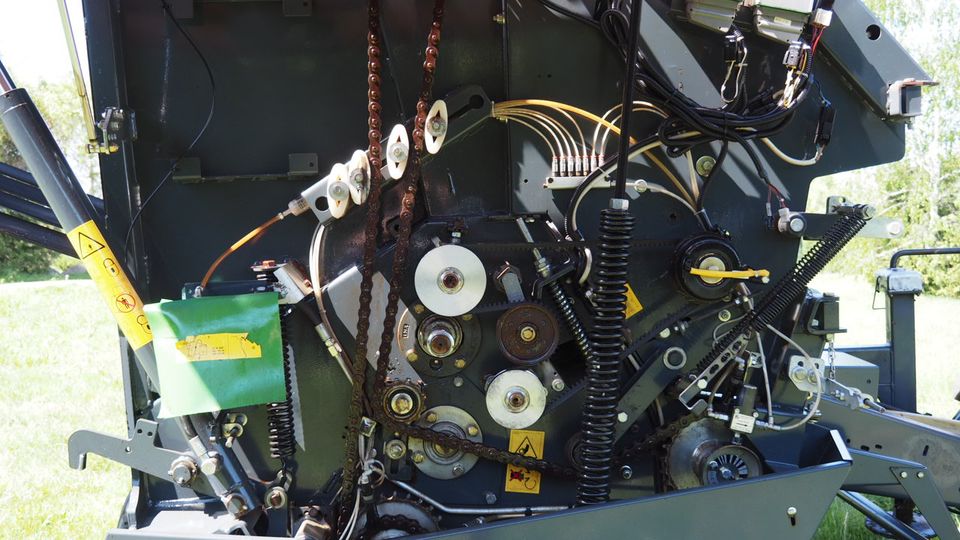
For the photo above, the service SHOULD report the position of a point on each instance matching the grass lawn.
(61, 366)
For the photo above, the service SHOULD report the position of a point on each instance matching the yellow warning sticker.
(633, 303)
(526, 443)
(112, 283)
(225, 346)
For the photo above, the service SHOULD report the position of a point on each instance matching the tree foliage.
(59, 106)
(924, 188)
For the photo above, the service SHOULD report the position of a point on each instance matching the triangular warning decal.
(87, 246)
(526, 448)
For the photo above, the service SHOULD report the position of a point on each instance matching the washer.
(450, 280)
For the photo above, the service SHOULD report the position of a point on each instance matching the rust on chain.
(401, 250)
(374, 135)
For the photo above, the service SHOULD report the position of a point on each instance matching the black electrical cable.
(213, 101)
(620, 191)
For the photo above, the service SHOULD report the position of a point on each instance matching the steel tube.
(866, 507)
(921, 252)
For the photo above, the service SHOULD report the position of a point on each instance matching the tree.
(923, 189)
(59, 105)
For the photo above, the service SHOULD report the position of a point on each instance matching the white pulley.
(516, 399)
(435, 130)
(398, 151)
(359, 177)
(338, 191)
(450, 280)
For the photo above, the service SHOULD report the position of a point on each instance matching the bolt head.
(418, 457)
(183, 472)
(235, 504)
(467, 317)
(473, 430)
(528, 333)
(622, 417)
(903, 474)
(724, 315)
(418, 308)
(412, 355)
(458, 382)
(490, 497)
(210, 465)
(276, 497)
(792, 511)
(432, 417)
(460, 363)
(557, 384)
(626, 472)
(401, 403)
(458, 469)
(395, 449)
(665, 333)
(920, 474)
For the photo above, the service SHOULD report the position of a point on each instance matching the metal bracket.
(300, 166)
(918, 484)
(139, 452)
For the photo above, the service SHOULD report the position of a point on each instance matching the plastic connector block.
(822, 18)
(791, 58)
(828, 116)
(797, 6)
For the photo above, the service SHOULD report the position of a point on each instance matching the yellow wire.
(499, 107)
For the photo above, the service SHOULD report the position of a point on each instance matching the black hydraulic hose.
(35, 234)
(9, 172)
(28, 208)
(626, 112)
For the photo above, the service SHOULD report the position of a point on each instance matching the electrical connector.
(822, 18)
(828, 116)
(792, 57)
(731, 45)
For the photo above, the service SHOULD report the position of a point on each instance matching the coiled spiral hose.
(603, 370)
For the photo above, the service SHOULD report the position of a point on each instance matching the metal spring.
(792, 285)
(603, 370)
(280, 423)
(570, 318)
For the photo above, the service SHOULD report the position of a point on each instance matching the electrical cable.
(567, 13)
(193, 143)
(766, 380)
(626, 110)
(240, 243)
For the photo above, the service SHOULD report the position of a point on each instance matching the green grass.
(61, 372)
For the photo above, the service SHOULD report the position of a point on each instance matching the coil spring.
(280, 425)
(603, 370)
(570, 318)
(794, 283)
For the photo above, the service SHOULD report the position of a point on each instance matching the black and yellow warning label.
(526, 443)
(633, 303)
(112, 282)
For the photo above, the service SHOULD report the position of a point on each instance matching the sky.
(32, 45)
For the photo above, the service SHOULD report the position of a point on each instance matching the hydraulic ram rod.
(73, 209)
(77, 217)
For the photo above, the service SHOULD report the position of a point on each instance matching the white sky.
(32, 45)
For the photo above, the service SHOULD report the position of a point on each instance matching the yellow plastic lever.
(730, 274)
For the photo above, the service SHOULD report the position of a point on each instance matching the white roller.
(435, 130)
(359, 177)
(398, 151)
(516, 399)
(450, 280)
(338, 190)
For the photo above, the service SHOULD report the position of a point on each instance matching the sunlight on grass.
(61, 365)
